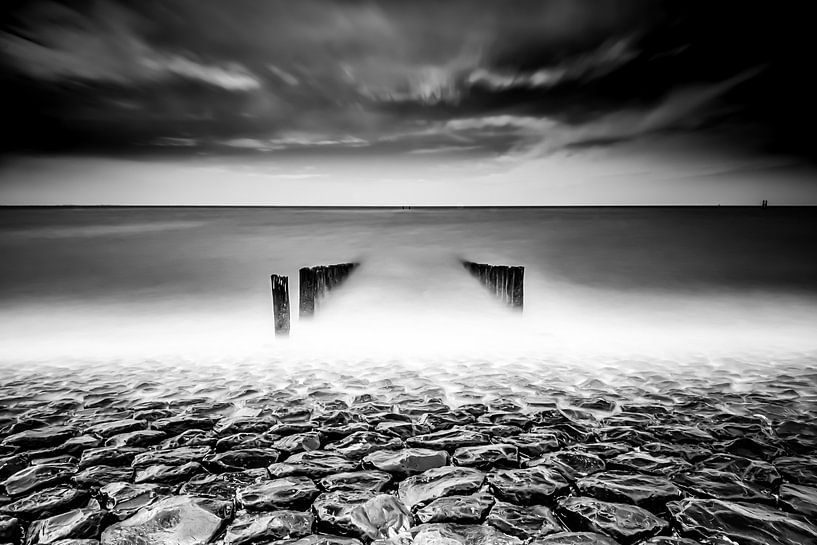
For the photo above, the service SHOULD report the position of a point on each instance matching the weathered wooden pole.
(506, 283)
(316, 282)
(280, 304)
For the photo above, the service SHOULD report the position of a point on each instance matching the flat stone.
(575, 538)
(487, 456)
(39, 438)
(451, 439)
(190, 438)
(262, 527)
(239, 459)
(165, 474)
(223, 485)
(461, 534)
(35, 477)
(747, 524)
(798, 469)
(75, 524)
(752, 471)
(246, 440)
(174, 520)
(9, 465)
(314, 464)
(523, 522)
(178, 424)
(284, 493)
(171, 457)
(324, 539)
(359, 444)
(642, 462)
(406, 462)
(96, 476)
(534, 485)
(373, 481)
(46, 503)
(572, 464)
(438, 482)
(663, 540)
(333, 510)
(242, 424)
(603, 449)
(689, 452)
(124, 499)
(648, 491)
(402, 430)
(108, 429)
(534, 444)
(108, 456)
(721, 485)
(299, 442)
(466, 509)
(10, 529)
(624, 523)
(381, 517)
(800, 499)
(138, 438)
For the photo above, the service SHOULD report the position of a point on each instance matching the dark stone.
(76, 524)
(461, 534)
(751, 471)
(572, 464)
(299, 442)
(124, 499)
(76, 445)
(373, 481)
(680, 434)
(190, 438)
(178, 424)
(284, 493)
(625, 523)
(800, 499)
(263, 527)
(534, 444)
(747, 524)
(10, 529)
(359, 444)
(648, 491)
(39, 438)
(171, 457)
(165, 474)
(798, 469)
(94, 477)
(509, 419)
(406, 462)
(642, 462)
(171, 520)
(449, 439)
(381, 517)
(487, 456)
(9, 465)
(523, 522)
(401, 430)
(324, 539)
(108, 456)
(333, 510)
(663, 540)
(246, 440)
(108, 429)
(335, 433)
(33, 478)
(528, 486)
(46, 503)
(138, 438)
(439, 482)
(575, 538)
(237, 460)
(711, 483)
(314, 464)
(604, 449)
(464, 509)
(689, 452)
(445, 421)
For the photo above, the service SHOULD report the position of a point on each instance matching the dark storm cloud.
(454, 76)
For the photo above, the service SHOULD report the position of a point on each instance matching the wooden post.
(506, 283)
(316, 282)
(280, 304)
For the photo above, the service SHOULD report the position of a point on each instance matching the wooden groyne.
(505, 282)
(316, 282)
(280, 303)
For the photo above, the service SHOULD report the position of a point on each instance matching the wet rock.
(373, 481)
(171, 457)
(246, 440)
(237, 460)
(464, 509)
(75, 524)
(799, 499)
(9, 465)
(461, 534)
(313, 464)
(190, 438)
(509, 419)
(575, 538)
(35, 477)
(167, 474)
(534, 444)
(325, 539)
(624, 523)
(223, 485)
(94, 477)
(76, 445)
(289, 428)
(439, 482)
(648, 491)
(572, 464)
(451, 439)
(284, 493)
(46, 503)
(487, 456)
(642, 462)
(108, 429)
(359, 444)
(335, 433)
(747, 524)
(242, 424)
(798, 469)
(604, 449)
(299, 442)
(108, 456)
(523, 522)
(178, 424)
(39, 438)
(401, 430)
(139, 438)
(711, 483)
(263, 527)
(175, 520)
(528, 486)
(445, 421)
(663, 540)
(10, 530)
(333, 510)
(406, 462)
(680, 434)
(624, 434)
(752, 471)
(382, 516)
(689, 452)
(124, 499)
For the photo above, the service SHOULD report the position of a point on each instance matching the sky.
(320, 102)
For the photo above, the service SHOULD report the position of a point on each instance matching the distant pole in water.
(765, 203)
(507, 283)
(280, 304)
(316, 282)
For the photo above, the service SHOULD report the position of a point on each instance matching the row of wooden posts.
(505, 282)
